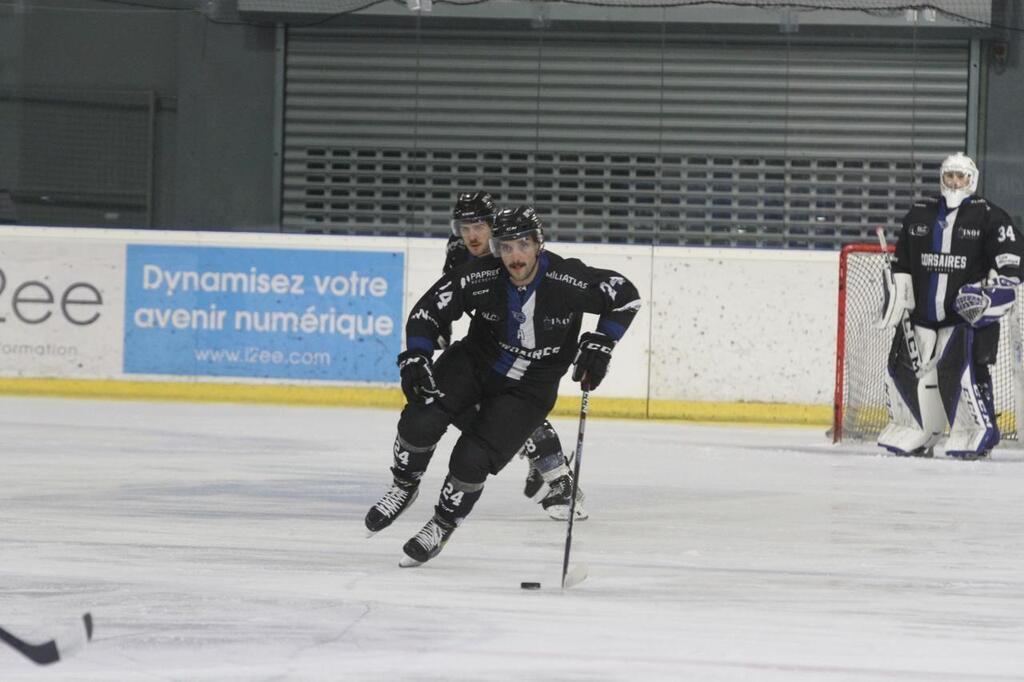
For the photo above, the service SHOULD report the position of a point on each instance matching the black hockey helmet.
(515, 223)
(472, 207)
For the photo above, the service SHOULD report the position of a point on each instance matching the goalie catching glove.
(592, 358)
(983, 303)
(417, 372)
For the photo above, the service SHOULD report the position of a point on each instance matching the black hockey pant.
(509, 412)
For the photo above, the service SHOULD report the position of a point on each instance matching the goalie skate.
(968, 456)
(916, 452)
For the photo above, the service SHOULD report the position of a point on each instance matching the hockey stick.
(909, 339)
(55, 649)
(579, 572)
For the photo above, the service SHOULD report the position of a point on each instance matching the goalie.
(954, 275)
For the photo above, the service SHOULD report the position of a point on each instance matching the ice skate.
(395, 501)
(916, 452)
(969, 456)
(426, 544)
(556, 502)
(534, 482)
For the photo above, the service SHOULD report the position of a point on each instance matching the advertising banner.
(61, 307)
(263, 312)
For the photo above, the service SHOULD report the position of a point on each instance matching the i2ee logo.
(35, 302)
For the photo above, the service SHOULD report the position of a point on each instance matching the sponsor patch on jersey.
(568, 279)
(490, 317)
(550, 323)
(1007, 260)
(479, 276)
(920, 230)
(530, 353)
(969, 233)
(519, 317)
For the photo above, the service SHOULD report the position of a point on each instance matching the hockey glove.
(983, 303)
(898, 298)
(592, 358)
(417, 372)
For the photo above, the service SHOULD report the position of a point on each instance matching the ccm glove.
(592, 358)
(898, 298)
(417, 372)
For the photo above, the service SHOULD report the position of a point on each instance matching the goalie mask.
(471, 208)
(958, 179)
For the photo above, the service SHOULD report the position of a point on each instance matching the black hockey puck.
(530, 586)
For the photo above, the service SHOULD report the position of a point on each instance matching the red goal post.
(859, 406)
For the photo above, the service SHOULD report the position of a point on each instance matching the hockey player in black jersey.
(472, 219)
(955, 273)
(527, 305)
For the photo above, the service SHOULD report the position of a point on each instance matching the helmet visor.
(496, 242)
(476, 222)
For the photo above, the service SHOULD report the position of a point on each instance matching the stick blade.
(87, 619)
(60, 647)
(574, 576)
(43, 654)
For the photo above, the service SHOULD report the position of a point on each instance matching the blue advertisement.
(256, 312)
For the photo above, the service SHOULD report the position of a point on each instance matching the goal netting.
(862, 351)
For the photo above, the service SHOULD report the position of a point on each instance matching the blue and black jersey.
(524, 333)
(944, 250)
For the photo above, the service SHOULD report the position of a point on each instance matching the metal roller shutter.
(616, 136)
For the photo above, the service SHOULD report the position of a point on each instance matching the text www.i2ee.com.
(253, 355)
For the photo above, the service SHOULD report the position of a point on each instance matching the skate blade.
(575, 576)
(561, 513)
(408, 562)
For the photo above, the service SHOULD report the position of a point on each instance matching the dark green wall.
(214, 93)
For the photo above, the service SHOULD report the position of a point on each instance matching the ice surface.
(220, 542)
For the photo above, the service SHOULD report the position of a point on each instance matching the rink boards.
(724, 334)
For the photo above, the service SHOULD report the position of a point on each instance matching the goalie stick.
(909, 339)
(579, 572)
(55, 649)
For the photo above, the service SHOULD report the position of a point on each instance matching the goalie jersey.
(943, 250)
(524, 333)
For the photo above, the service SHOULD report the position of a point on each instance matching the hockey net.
(862, 350)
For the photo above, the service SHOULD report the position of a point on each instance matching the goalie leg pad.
(967, 398)
(916, 419)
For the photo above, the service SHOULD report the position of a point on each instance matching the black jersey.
(944, 250)
(525, 333)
